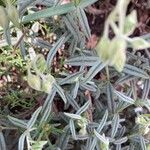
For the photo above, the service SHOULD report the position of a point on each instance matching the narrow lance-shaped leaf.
(103, 122)
(72, 47)
(64, 139)
(146, 89)
(83, 22)
(90, 87)
(48, 100)
(57, 10)
(115, 125)
(33, 118)
(100, 127)
(143, 144)
(132, 70)
(7, 36)
(60, 91)
(83, 108)
(45, 115)
(53, 51)
(72, 101)
(82, 61)
(73, 116)
(41, 43)
(71, 78)
(110, 98)
(75, 89)
(124, 97)
(121, 140)
(101, 138)
(72, 26)
(93, 71)
(21, 141)
(2, 142)
(72, 128)
(18, 122)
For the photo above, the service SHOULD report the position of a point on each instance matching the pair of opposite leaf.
(39, 81)
(113, 51)
(7, 14)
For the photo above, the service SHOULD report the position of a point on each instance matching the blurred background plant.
(74, 74)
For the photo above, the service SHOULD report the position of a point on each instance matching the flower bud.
(34, 81)
(117, 54)
(40, 63)
(4, 21)
(130, 23)
(47, 83)
(139, 43)
(102, 48)
(13, 14)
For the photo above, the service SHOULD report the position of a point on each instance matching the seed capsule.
(4, 21)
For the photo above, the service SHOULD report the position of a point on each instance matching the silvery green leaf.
(2, 142)
(110, 98)
(74, 92)
(72, 26)
(90, 87)
(132, 70)
(82, 61)
(57, 45)
(41, 43)
(23, 5)
(72, 47)
(22, 44)
(72, 128)
(124, 79)
(121, 132)
(115, 125)
(56, 10)
(100, 137)
(22, 49)
(103, 122)
(64, 139)
(124, 97)
(118, 147)
(71, 78)
(97, 67)
(73, 116)
(45, 115)
(142, 143)
(18, 122)
(33, 118)
(21, 142)
(146, 89)
(83, 22)
(49, 99)
(99, 129)
(60, 91)
(121, 140)
(72, 101)
(83, 108)
(7, 36)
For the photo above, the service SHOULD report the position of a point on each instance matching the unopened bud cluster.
(9, 13)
